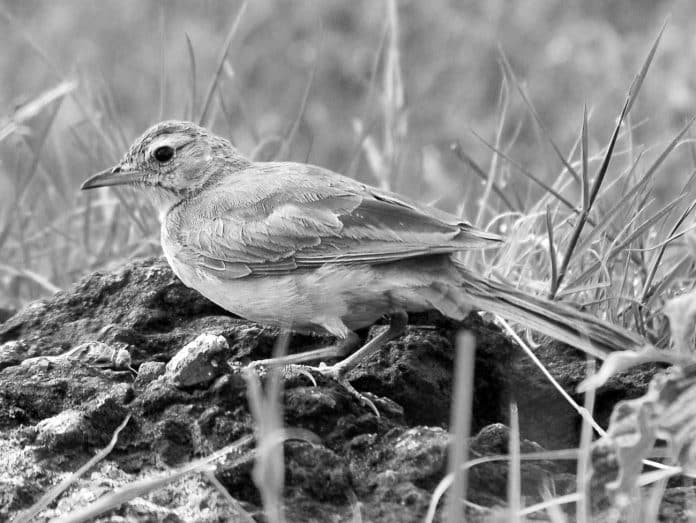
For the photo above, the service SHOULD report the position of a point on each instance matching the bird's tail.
(556, 320)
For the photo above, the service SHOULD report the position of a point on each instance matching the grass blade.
(32, 277)
(514, 487)
(35, 106)
(680, 267)
(550, 190)
(552, 252)
(511, 74)
(583, 509)
(192, 65)
(660, 254)
(478, 171)
(638, 80)
(290, 136)
(584, 215)
(41, 141)
(490, 181)
(163, 60)
(145, 486)
(350, 169)
(203, 118)
(639, 186)
(601, 173)
(56, 491)
(664, 211)
(461, 425)
(608, 217)
(584, 172)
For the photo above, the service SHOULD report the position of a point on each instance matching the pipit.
(296, 245)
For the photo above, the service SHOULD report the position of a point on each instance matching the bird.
(302, 247)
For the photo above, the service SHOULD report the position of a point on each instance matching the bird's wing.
(280, 217)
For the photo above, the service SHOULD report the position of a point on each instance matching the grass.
(50, 234)
(597, 228)
(461, 425)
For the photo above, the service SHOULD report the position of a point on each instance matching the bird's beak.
(112, 176)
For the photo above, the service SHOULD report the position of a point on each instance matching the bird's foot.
(334, 372)
(337, 373)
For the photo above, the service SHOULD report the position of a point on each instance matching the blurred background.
(375, 89)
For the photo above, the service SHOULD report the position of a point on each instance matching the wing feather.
(280, 217)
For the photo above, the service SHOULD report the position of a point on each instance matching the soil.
(66, 385)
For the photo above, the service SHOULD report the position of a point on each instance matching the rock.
(43, 389)
(317, 472)
(62, 431)
(189, 399)
(12, 353)
(68, 432)
(545, 416)
(148, 372)
(199, 362)
(142, 306)
(415, 371)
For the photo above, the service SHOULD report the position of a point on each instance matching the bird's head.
(171, 161)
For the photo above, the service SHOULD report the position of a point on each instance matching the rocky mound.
(65, 385)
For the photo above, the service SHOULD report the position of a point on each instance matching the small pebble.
(62, 430)
(12, 352)
(148, 372)
(199, 362)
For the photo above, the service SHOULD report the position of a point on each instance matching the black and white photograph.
(326, 261)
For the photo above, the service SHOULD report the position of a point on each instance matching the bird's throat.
(163, 199)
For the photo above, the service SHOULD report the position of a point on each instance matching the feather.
(281, 217)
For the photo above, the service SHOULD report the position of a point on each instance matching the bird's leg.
(337, 371)
(293, 363)
(397, 325)
(342, 348)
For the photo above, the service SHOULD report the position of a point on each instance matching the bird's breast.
(323, 298)
(332, 297)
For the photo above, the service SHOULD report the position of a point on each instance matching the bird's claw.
(337, 373)
(333, 372)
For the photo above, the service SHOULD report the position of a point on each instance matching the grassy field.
(507, 113)
(383, 107)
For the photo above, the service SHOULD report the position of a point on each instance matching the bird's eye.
(163, 154)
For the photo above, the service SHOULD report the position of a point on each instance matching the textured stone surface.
(57, 412)
(199, 362)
